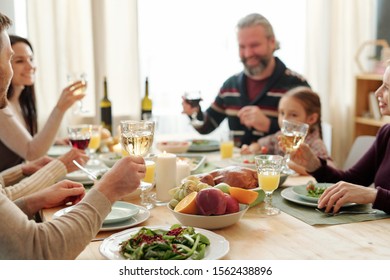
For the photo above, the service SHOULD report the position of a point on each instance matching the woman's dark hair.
(27, 98)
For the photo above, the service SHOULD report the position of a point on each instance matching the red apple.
(211, 201)
(232, 205)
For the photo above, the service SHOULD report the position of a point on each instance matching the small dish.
(174, 147)
(139, 217)
(203, 145)
(121, 211)
(110, 159)
(58, 150)
(196, 162)
(289, 195)
(303, 193)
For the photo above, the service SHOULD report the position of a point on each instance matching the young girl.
(298, 104)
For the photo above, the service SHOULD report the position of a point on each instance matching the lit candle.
(182, 171)
(165, 175)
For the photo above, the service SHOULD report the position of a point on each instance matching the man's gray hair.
(257, 19)
(5, 23)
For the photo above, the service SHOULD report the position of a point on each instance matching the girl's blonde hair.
(311, 103)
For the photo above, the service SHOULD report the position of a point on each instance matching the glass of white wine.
(294, 134)
(137, 139)
(72, 78)
(268, 171)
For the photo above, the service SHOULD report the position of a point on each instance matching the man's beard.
(256, 70)
(3, 91)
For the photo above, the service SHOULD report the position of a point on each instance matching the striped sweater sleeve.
(46, 176)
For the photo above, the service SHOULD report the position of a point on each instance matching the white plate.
(56, 151)
(289, 195)
(142, 215)
(81, 177)
(241, 161)
(121, 211)
(203, 145)
(302, 192)
(218, 248)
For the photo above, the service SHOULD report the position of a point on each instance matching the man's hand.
(31, 167)
(253, 117)
(187, 108)
(74, 154)
(123, 178)
(58, 194)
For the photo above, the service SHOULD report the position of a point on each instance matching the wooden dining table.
(279, 237)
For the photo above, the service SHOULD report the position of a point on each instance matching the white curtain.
(335, 30)
(99, 37)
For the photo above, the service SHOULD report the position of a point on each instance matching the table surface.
(280, 237)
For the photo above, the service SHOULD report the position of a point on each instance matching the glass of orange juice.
(94, 144)
(268, 171)
(226, 146)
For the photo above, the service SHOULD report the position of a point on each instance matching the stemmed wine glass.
(137, 139)
(193, 98)
(79, 135)
(72, 78)
(268, 172)
(294, 134)
(94, 144)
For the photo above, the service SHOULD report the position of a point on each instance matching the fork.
(330, 214)
(86, 171)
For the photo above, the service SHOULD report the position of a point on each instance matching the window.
(191, 45)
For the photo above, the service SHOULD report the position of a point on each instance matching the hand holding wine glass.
(193, 99)
(268, 171)
(78, 85)
(294, 134)
(137, 139)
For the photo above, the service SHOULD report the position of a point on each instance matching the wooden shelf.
(366, 83)
(369, 121)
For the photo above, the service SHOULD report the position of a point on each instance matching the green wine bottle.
(146, 104)
(105, 109)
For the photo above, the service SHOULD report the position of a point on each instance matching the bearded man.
(250, 98)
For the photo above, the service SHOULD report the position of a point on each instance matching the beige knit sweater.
(61, 238)
(15, 185)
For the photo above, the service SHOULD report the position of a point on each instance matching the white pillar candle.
(182, 171)
(165, 175)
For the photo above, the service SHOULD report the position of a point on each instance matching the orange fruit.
(188, 204)
(243, 195)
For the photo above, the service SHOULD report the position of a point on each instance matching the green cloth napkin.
(312, 217)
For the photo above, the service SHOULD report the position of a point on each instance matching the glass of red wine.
(193, 98)
(80, 135)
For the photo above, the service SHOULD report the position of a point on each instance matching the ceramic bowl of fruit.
(174, 147)
(210, 222)
(211, 208)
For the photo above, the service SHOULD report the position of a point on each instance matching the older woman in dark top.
(373, 167)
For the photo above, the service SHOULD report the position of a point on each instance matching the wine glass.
(294, 134)
(94, 144)
(193, 98)
(79, 135)
(268, 171)
(137, 139)
(72, 78)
